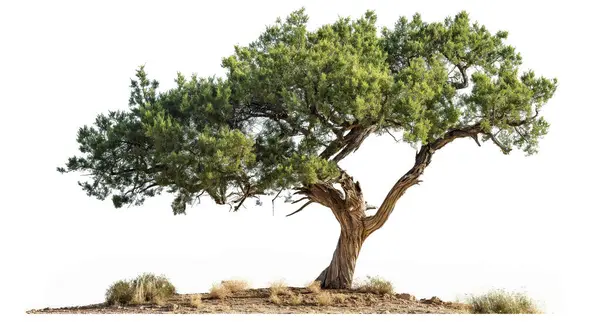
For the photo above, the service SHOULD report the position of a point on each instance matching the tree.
(294, 103)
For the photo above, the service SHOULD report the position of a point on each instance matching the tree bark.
(349, 208)
(340, 272)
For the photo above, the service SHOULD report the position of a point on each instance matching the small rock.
(434, 300)
(406, 296)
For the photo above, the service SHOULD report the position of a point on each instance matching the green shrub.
(376, 285)
(119, 292)
(502, 302)
(145, 288)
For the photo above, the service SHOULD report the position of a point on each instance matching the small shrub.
(339, 298)
(143, 289)
(314, 287)
(219, 292)
(274, 298)
(376, 285)
(119, 292)
(502, 302)
(324, 299)
(196, 300)
(280, 287)
(235, 286)
(296, 299)
(152, 288)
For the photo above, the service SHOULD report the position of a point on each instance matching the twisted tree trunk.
(349, 208)
(340, 272)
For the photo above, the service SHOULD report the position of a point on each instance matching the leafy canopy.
(295, 102)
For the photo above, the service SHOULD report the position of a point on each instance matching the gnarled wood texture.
(349, 208)
(340, 272)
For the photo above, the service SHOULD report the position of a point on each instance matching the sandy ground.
(257, 301)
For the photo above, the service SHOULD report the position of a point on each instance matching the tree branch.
(465, 78)
(273, 201)
(301, 208)
(390, 133)
(411, 177)
(497, 142)
(299, 200)
(526, 120)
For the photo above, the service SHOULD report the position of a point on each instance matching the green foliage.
(434, 65)
(121, 292)
(502, 302)
(145, 288)
(294, 98)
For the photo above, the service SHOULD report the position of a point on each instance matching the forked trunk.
(339, 273)
(349, 206)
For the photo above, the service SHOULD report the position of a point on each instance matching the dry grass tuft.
(151, 288)
(145, 288)
(235, 286)
(324, 299)
(314, 287)
(502, 302)
(280, 287)
(274, 298)
(196, 300)
(339, 298)
(296, 300)
(218, 291)
(376, 285)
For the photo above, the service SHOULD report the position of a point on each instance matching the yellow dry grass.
(314, 287)
(296, 300)
(280, 287)
(196, 300)
(324, 299)
(376, 285)
(218, 291)
(339, 298)
(274, 298)
(235, 286)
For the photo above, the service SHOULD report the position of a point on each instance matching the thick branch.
(411, 177)
(350, 143)
(465, 78)
(348, 206)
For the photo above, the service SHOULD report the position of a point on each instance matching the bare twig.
(273, 201)
(299, 200)
(390, 133)
(301, 208)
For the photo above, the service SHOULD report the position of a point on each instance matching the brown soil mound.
(297, 301)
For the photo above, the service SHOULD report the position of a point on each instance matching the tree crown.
(296, 102)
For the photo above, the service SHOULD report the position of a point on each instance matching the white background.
(480, 219)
